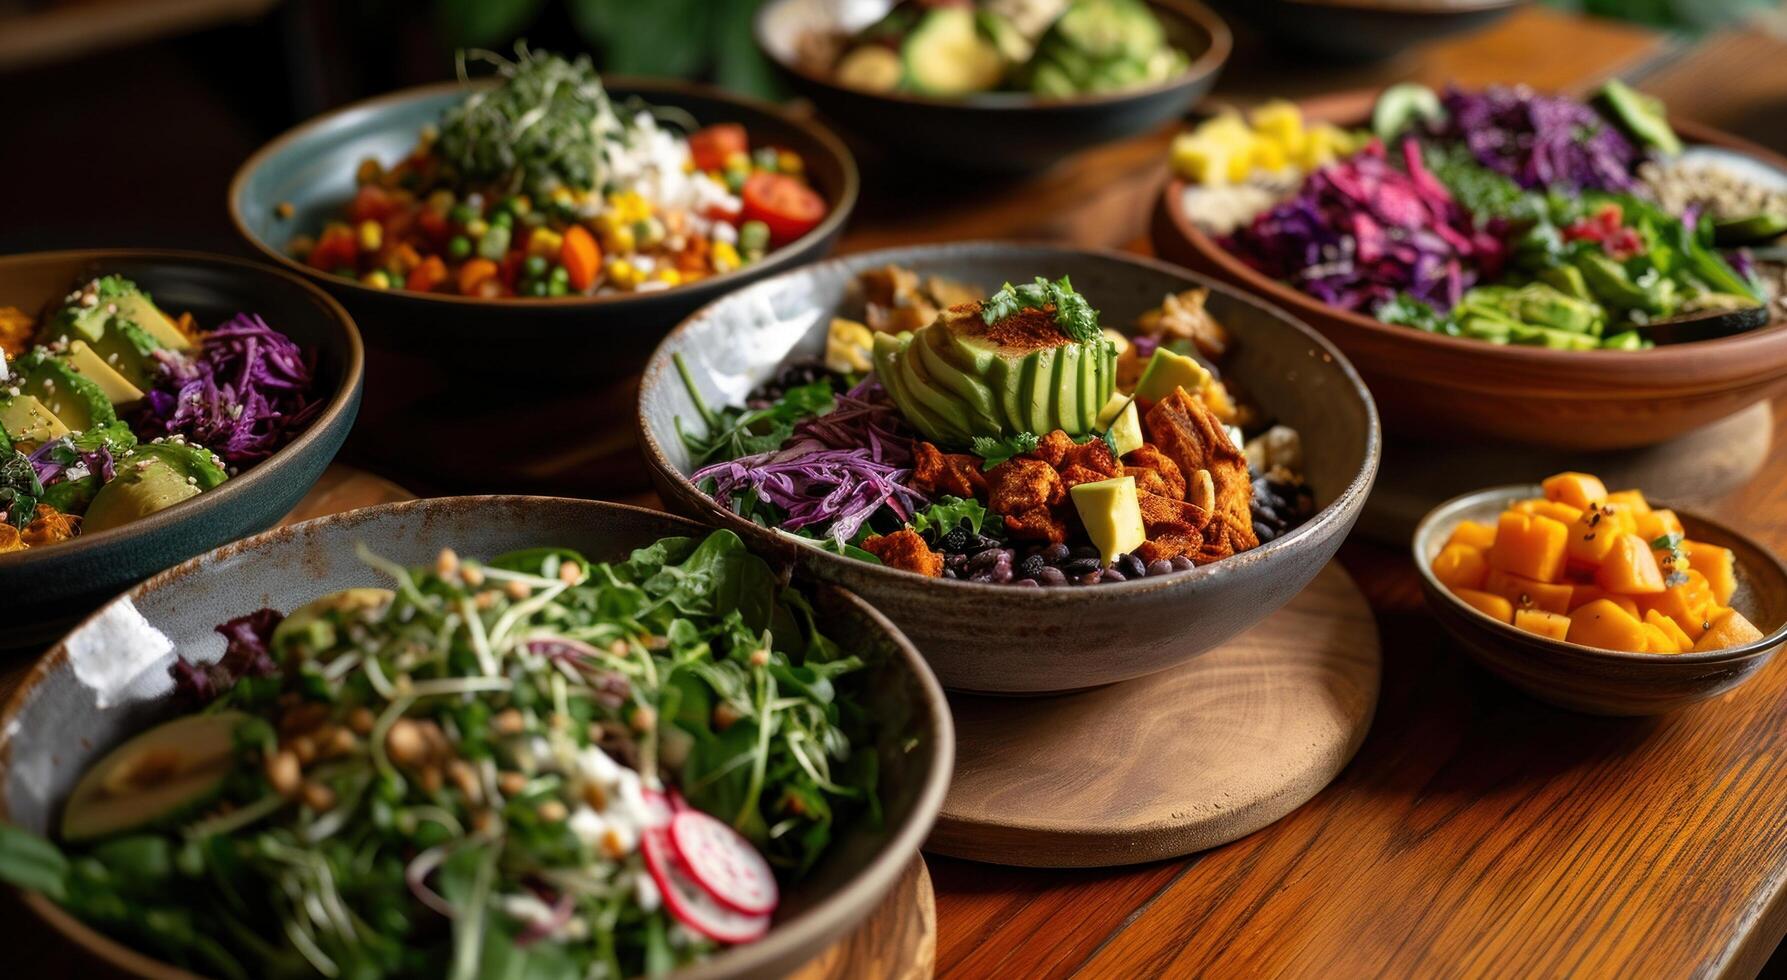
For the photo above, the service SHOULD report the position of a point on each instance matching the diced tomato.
(789, 207)
(372, 203)
(711, 146)
(337, 247)
(1624, 243)
(427, 275)
(433, 224)
(511, 271)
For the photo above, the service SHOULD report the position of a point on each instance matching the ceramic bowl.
(1364, 30)
(55, 726)
(47, 588)
(1436, 387)
(1588, 679)
(1001, 639)
(529, 363)
(996, 132)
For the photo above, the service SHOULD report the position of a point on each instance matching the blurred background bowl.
(47, 588)
(1364, 30)
(1001, 639)
(53, 728)
(448, 373)
(1001, 132)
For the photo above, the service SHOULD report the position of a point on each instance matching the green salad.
(531, 767)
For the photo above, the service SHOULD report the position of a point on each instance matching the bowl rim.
(1449, 514)
(879, 873)
(1740, 348)
(1193, 12)
(341, 400)
(1334, 514)
(836, 215)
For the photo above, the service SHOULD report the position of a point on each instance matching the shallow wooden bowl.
(997, 638)
(1430, 386)
(1588, 679)
(54, 726)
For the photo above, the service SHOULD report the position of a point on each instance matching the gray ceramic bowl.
(1000, 639)
(533, 362)
(998, 131)
(54, 727)
(47, 588)
(1605, 682)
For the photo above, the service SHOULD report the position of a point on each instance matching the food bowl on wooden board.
(997, 638)
(449, 370)
(1436, 387)
(58, 722)
(1599, 681)
(48, 586)
(996, 131)
(1364, 30)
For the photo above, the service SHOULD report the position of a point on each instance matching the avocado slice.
(947, 55)
(169, 770)
(946, 411)
(890, 368)
(1643, 116)
(75, 496)
(311, 628)
(28, 423)
(1039, 385)
(1403, 105)
(136, 307)
(971, 392)
(77, 401)
(153, 477)
(117, 388)
(1066, 414)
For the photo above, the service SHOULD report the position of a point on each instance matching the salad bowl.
(425, 350)
(46, 588)
(95, 689)
(994, 638)
(998, 132)
(1437, 387)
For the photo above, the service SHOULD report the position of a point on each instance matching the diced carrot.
(474, 272)
(581, 256)
(427, 275)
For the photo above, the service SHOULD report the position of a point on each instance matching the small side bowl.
(53, 728)
(996, 132)
(47, 588)
(1589, 679)
(998, 638)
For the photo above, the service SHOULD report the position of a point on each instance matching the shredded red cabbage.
(834, 472)
(244, 396)
(55, 459)
(246, 653)
(1540, 140)
(1360, 231)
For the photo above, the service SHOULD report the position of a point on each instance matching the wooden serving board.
(1173, 763)
(1693, 469)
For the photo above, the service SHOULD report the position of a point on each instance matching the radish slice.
(691, 905)
(724, 863)
(659, 808)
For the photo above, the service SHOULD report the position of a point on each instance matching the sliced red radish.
(659, 808)
(689, 903)
(723, 862)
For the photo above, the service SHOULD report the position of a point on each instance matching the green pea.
(462, 214)
(535, 266)
(735, 180)
(764, 157)
(558, 287)
(753, 236)
(536, 287)
(560, 274)
(346, 272)
(459, 247)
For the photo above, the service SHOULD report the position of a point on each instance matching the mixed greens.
(534, 766)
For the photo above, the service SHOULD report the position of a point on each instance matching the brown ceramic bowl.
(445, 370)
(999, 638)
(1433, 386)
(1589, 679)
(1364, 30)
(1009, 132)
(54, 727)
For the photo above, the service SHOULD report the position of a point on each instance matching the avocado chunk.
(933, 348)
(73, 496)
(169, 770)
(117, 388)
(1112, 514)
(1643, 116)
(870, 68)
(1403, 105)
(153, 477)
(947, 55)
(1126, 431)
(314, 626)
(28, 423)
(77, 401)
(1102, 46)
(1167, 370)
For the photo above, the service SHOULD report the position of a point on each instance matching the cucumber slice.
(1011, 42)
(1642, 116)
(946, 55)
(1400, 107)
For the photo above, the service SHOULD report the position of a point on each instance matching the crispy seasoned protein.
(1148, 458)
(1036, 524)
(48, 526)
(1021, 483)
(905, 549)
(1053, 448)
(1184, 317)
(1094, 455)
(935, 471)
(1191, 436)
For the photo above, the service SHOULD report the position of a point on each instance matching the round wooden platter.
(1691, 469)
(1175, 762)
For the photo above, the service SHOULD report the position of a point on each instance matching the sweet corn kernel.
(545, 242)
(475, 228)
(620, 241)
(372, 235)
(738, 160)
(377, 279)
(724, 257)
(789, 163)
(622, 274)
(670, 276)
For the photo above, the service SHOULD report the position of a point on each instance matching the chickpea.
(284, 773)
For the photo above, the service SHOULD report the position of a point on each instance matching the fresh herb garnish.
(20, 490)
(1668, 542)
(736, 432)
(997, 450)
(1073, 314)
(1671, 562)
(948, 513)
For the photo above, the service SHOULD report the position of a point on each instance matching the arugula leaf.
(948, 513)
(995, 451)
(736, 432)
(1073, 314)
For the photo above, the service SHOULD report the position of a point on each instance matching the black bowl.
(47, 588)
(452, 371)
(996, 132)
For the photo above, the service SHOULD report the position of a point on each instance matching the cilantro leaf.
(995, 451)
(1668, 542)
(19, 490)
(1073, 314)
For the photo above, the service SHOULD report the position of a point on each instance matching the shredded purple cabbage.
(1540, 140)
(243, 397)
(53, 460)
(1360, 231)
(246, 653)
(834, 472)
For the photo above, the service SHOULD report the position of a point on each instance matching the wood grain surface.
(1176, 762)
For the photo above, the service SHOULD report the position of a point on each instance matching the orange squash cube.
(1474, 533)
(1718, 564)
(1677, 638)
(1605, 625)
(1554, 509)
(1542, 623)
(1686, 603)
(1582, 595)
(1493, 606)
(1657, 523)
(1591, 538)
(1630, 568)
(1579, 490)
(1731, 629)
(1529, 545)
(1632, 500)
(1460, 566)
(1657, 641)
(1526, 593)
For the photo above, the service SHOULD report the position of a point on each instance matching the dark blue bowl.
(46, 589)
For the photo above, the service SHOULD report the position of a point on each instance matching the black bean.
(1182, 563)
(1264, 532)
(1055, 554)
(1031, 566)
(1160, 566)
(956, 540)
(1130, 566)
(984, 560)
(1110, 575)
(1091, 579)
(1081, 566)
(1052, 576)
(1025, 583)
(1085, 551)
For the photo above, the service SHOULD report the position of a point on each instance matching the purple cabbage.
(834, 472)
(246, 653)
(243, 397)
(54, 459)
(1540, 140)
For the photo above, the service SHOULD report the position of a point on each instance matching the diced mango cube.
(1530, 545)
(1460, 566)
(1591, 538)
(1656, 641)
(1630, 568)
(1605, 625)
(1542, 623)
(1126, 431)
(1719, 566)
(1526, 593)
(1678, 638)
(1493, 606)
(1474, 533)
(1280, 121)
(1201, 161)
(1731, 629)
(1579, 490)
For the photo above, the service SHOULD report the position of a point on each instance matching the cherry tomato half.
(711, 146)
(789, 207)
